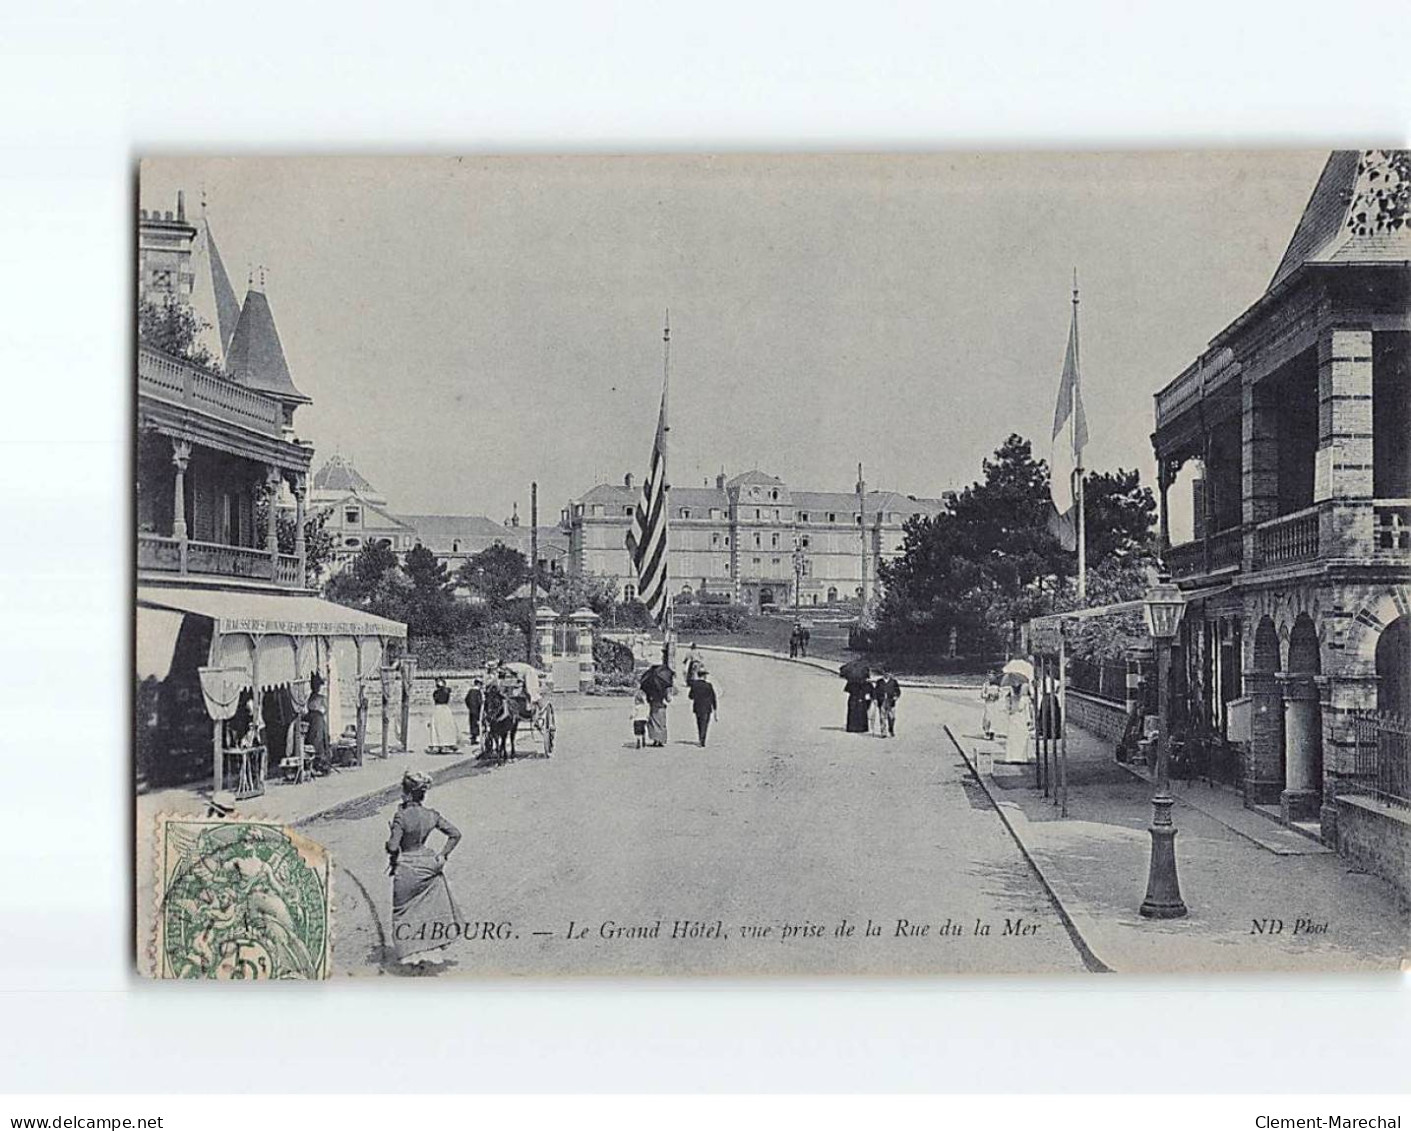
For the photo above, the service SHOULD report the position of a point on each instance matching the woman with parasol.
(656, 685)
(1018, 677)
(859, 691)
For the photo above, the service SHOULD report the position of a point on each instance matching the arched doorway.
(1393, 661)
(1389, 729)
(1303, 725)
(1264, 774)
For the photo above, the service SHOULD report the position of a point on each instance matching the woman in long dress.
(859, 700)
(424, 915)
(656, 718)
(316, 714)
(444, 733)
(1018, 742)
(990, 694)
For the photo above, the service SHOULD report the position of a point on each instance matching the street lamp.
(1163, 606)
(799, 566)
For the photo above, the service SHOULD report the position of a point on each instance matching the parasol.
(1016, 673)
(657, 680)
(530, 675)
(855, 669)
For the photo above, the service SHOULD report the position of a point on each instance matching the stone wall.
(1377, 838)
(1101, 717)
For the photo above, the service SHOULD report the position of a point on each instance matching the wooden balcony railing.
(1288, 539)
(157, 553)
(179, 382)
(1186, 560)
(228, 561)
(1226, 548)
(289, 571)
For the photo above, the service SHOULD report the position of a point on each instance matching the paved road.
(778, 832)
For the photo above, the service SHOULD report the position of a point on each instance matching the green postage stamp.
(240, 899)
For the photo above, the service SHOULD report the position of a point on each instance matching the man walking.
(474, 702)
(703, 702)
(887, 691)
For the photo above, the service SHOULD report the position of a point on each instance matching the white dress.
(1018, 739)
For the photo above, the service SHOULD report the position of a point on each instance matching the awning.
(157, 630)
(265, 613)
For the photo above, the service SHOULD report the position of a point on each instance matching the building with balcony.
(1289, 438)
(358, 515)
(223, 610)
(739, 538)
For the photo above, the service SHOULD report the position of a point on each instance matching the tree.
(1119, 513)
(174, 328)
(318, 542)
(367, 575)
(426, 572)
(989, 562)
(567, 593)
(495, 573)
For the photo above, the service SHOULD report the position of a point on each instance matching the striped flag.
(1070, 436)
(646, 540)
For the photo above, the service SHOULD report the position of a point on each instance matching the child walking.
(641, 710)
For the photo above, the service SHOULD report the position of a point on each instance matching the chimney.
(720, 482)
(180, 205)
(514, 518)
(627, 481)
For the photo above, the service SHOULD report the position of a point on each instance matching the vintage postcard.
(787, 565)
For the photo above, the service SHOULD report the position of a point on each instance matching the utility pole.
(862, 523)
(533, 571)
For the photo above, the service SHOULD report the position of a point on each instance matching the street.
(786, 846)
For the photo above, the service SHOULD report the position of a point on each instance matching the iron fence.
(1382, 757)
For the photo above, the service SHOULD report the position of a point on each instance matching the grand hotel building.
(740, 537)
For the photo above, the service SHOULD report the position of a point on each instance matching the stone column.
(1259, 437)
(1302, 794)
(1264, 772)
(1163, 485)
(1341, 698)
(301, 491)
(544, 620)
(1343, 467)
(583, 621)
(273, 477)
(181, 459)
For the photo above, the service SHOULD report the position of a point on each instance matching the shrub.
(612, 657)
(469, 649)
(711, 619)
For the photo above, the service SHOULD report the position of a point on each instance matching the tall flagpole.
(1078, 458)
(669, 629)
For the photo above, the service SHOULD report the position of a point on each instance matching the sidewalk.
(1235, 866)
(375, 782)
(832, 666)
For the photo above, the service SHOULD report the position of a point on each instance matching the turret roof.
(255, 357)
(338, 474)
(1359, 212)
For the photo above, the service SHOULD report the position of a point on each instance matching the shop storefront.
(223, 675)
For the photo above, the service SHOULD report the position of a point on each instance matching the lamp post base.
(1163, 887)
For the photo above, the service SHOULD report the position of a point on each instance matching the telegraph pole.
(862, 522)
(533, 570)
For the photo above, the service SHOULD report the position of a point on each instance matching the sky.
(467, 326)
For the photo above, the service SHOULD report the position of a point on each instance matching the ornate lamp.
(1163, 605)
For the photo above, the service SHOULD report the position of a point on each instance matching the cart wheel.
(549, 729)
